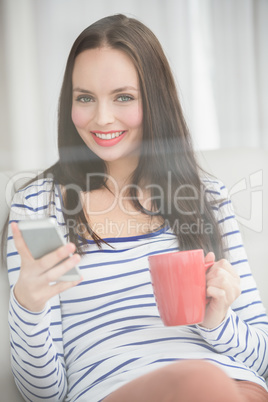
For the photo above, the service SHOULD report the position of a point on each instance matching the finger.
(223, 280)
(60, 287)
(222, 277)
(214, 292)
(55, 257)
(210, 257)
(219, 278)
(53, 274)
(19, 242)
(224, 296)
(224, 264)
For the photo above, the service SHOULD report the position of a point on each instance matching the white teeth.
(109, 136)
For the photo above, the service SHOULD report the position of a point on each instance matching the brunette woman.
(127, 186)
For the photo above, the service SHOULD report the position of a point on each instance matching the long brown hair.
(167, 158)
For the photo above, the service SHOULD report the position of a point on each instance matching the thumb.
(210, 257)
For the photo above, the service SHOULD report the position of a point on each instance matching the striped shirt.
(93, 338)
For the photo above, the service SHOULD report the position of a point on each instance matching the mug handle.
(207, 266)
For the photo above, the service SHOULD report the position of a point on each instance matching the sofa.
(243, 171)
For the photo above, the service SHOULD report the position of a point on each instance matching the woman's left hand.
(223, 288)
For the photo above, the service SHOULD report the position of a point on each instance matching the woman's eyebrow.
(84, 91)
(114, 91)
(123, 89)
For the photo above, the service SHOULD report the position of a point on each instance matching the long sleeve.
(36, 338)
(243, 334)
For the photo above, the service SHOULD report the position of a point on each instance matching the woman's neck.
(120, 172)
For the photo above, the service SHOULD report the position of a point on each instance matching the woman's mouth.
(108, 139)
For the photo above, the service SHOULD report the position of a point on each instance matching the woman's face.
(106, 106)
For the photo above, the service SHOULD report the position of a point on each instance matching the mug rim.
(175, 252)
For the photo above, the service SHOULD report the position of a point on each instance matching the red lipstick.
(100, 137)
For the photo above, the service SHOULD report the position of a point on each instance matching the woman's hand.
(36, 283)
(223, 288)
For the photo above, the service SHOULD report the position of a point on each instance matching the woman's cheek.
(79, 117)
(133, 117)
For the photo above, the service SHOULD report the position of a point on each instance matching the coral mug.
(179, 284)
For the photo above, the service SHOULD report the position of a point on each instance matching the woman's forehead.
(105, 68)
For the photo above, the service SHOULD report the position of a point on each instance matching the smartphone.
(42, 236)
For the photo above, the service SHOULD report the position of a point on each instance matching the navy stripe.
(108, 278)
(107, 374)
(23, 206)
(35, 346)
(103, 264)
(247, 305)
(38, 193)
(113, 312)
(30, 354)
(119, 320)
(121, 300)
(36, 184)
(88, 372)
(105, 294)
(132, 238)
(239, 262)
(123, 331)
(12, 254)
(231, 233)
(130, 307)
(32, 393)
(226, 218)
(234, 247)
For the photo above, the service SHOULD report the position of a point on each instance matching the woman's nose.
(104, 114)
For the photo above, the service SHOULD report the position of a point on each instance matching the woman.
(127, 186)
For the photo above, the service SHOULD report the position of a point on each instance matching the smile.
(108, 136)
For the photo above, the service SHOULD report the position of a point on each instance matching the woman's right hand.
(37, 282)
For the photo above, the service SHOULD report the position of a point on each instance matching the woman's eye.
(84, 99)
(124, 98)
